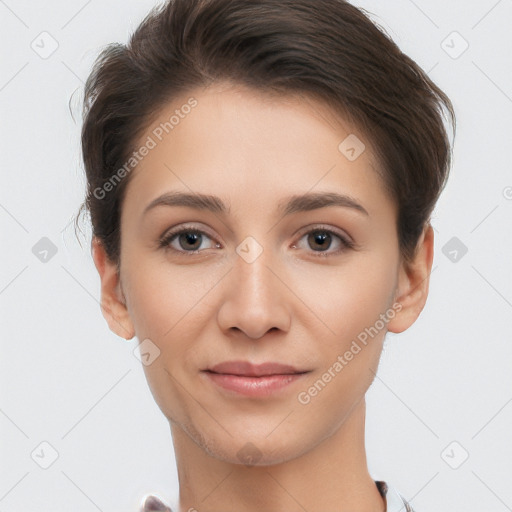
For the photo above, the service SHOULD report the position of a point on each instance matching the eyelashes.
(193, 235)
(177, 241)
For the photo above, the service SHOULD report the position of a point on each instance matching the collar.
(394, 501)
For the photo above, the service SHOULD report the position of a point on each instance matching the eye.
(187, 240)
(321, 239)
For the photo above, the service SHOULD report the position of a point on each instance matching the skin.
(289, 305)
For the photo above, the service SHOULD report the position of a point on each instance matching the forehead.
(252, 149)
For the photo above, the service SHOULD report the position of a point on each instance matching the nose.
(255, 300)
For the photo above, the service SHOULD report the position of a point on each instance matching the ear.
(113, 304)
(413, 283)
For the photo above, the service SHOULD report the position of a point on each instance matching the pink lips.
(253, 380)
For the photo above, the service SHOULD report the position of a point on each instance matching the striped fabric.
(394, 501)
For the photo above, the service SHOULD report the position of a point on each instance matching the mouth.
(244, 378)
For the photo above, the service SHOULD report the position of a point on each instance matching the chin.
(254, 448)
(256, 455)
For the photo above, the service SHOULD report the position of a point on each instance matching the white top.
(394, 501)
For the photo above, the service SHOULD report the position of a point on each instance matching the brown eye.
(190, 240)
(320, 239)
(187, 241)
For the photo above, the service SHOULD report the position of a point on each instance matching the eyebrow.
(293, 204)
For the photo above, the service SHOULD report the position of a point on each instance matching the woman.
(261, 175)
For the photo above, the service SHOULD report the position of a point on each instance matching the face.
(291, 259)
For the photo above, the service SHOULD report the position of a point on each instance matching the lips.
(246, 369)
(257, 381)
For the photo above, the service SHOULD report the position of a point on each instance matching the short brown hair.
(327, 49)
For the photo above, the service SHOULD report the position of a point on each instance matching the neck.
(333, 476)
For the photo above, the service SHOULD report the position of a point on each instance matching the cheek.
(164, 297)
(167, 306)
(169, 302)
(349, 297)
(350, 302)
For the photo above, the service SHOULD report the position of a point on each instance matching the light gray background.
(68, 381)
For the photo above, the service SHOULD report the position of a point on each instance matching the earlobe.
(112, 301)
(413, 283)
